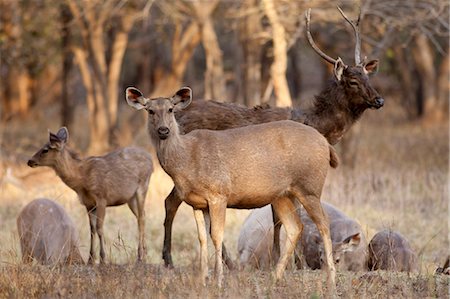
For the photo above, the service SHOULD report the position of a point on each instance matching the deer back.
(47, 233)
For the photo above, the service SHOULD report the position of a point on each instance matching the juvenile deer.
(120, 177)
(47, 234)
(249, 167)
(333, 113)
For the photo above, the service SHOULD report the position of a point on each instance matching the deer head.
(161, 119)
(354, 79)
(341, 250)
(50, 153)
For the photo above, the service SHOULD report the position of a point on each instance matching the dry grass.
(400, 181)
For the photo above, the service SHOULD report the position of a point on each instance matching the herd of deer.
(223, 155)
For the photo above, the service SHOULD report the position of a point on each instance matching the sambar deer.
(348, 240)
(274, 163)
(117, 178)
(389, 250)
(47, 234)
(334, 111)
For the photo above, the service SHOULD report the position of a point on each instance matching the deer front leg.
(101, 210)
(201, 229)
(92, 214)
(217, 212)
(142, 249)
(171, 205)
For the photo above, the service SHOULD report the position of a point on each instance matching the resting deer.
(249, 167)
(334, 111)
(389, 250)
(120, 177)
(349, 243)
(47, 234)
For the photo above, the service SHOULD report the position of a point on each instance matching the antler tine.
(311, 41)
(355, 27)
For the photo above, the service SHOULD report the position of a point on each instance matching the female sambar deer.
(117, 178)
(249, 167)
(334, 111)
(47, 234)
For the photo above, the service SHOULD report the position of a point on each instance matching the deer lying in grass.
(349, 243)
(274, 163)
(389, 250)
(47, 234)
(120, 177)
(333, 113)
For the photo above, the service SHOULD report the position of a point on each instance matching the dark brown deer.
(236, 168)
(117, 178)
(334, 111)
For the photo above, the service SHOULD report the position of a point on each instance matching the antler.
(355, 27)
(311, 41)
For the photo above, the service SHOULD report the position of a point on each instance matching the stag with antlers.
(333, 113)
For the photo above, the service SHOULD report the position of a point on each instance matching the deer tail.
(334, 159)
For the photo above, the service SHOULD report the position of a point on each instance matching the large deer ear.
(339, 68)
(58, 140)
(182, 98)
(135, 98)
(352, 242)
(371, 67)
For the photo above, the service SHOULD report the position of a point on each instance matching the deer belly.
(196, 201)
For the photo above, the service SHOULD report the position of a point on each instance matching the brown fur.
(389, 250)
(119, 177)
(47, 234)
(237, 168)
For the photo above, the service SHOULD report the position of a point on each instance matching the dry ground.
(400, 181)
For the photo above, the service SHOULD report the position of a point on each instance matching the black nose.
(31, 163)
(163, 132)
(379, 102)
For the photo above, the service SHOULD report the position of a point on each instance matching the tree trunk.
(408, 87)
(67, 103)
(279, 65)
(252, 50)
(444, 84)
(423, 57)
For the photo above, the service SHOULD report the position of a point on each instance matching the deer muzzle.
(378, 103)
(32, 163)
(163, 132)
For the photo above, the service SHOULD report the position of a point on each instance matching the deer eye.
(150, 111)
(170, 110)
(337, 260)
(44, 151)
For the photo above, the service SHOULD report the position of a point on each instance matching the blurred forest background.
(71, 60)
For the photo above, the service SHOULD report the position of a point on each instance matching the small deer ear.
(55, 142)
(352, 242)
(371, 67)
(339, 68)
(182, 98)
(135, 98)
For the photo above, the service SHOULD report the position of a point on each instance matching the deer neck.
(69, 169)
(331, 114)
(171, 152)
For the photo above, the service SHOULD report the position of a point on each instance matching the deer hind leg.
(285, 210)
(312, 205)
(92, 213)
(142, 249)
(171, 205)
(276, 238)
(202, 238)
(226, 258)
(217, 211)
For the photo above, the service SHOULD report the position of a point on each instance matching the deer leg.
(217, 211)
(171, 204)
(101, 210)
(201, 229)
(312, 205)
(92, 213)
(285, 209)
(142, 249)
(226, 258)
(276, 237)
